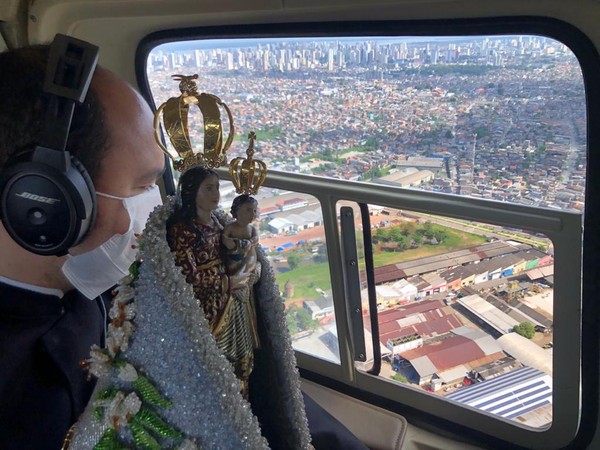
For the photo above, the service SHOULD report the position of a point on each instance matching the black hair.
(187, 189)
(239, 201)
(23, 111)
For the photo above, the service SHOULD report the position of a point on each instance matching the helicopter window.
(469, 153)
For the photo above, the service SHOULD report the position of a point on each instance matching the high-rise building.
(330, 56)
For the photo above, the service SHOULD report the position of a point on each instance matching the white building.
(406, 290)
(280, 225)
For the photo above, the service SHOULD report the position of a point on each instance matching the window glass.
(292, 237)
(495, 117)
(465, 311)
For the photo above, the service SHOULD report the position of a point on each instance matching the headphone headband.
(71, 64)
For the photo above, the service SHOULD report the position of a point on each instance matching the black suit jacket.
(43, 388)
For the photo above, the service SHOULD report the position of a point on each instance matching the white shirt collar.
(30, 287)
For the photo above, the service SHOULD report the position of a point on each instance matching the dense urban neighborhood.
(492, 117)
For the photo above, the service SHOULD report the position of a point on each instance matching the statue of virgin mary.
(163, 382)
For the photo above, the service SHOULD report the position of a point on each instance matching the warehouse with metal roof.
(509, 396)
(527, 352)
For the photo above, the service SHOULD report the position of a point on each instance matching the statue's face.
(246, 213)
(207, 197)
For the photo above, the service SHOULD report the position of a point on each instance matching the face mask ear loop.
(114, 197)
(122, 199)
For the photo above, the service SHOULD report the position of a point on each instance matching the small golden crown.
(175, 122)
(248, 174)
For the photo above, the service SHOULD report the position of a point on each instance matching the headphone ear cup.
(44, 210)
(47, 199)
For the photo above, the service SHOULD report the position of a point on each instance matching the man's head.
(132, 160)
(111, 134)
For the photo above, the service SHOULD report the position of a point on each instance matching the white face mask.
(94, 272)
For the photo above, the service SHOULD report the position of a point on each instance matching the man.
(46, 325)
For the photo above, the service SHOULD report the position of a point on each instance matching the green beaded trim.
(145, 424)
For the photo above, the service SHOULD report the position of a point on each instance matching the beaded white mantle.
(159, 336)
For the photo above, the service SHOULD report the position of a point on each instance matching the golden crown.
(175, 124)
(248, 174)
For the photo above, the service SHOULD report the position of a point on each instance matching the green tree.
(305, 321)
(293, 261)
(428, 228)
(382, 234)
(399, 378)
(395, 234)
(372, 143)
(402, 242)
(290, 317)
(440, 235)
(525, 329)
(481, 131)
(373, 172)
(408, 228)
(299, 319)
(417, 238)
(327, 155)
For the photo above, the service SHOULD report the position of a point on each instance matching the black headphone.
(48, 200)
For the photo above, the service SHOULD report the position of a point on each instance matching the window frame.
(565, 428)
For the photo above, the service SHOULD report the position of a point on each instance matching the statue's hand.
(228, 242)
(239, 280)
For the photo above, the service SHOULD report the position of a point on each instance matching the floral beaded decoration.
(131, 404)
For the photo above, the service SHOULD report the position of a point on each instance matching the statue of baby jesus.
(240, 236)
